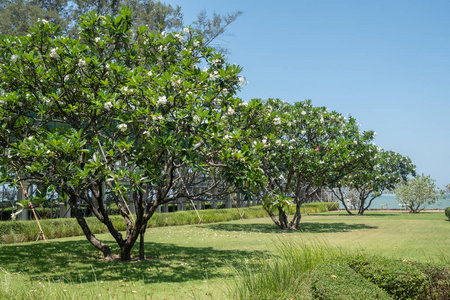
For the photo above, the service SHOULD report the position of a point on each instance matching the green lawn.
(198, 261)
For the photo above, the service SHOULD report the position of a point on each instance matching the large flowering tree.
(138, 116)
(304, 149)
(374, 177)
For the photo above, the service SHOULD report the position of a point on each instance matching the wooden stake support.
(41, 233)
(198, 215)
(242, 218)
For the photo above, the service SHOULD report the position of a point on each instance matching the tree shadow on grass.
(311, 227)
(78, 261)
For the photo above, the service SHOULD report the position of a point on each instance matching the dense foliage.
(304, 148)
(120, 113)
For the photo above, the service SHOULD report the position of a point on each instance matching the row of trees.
(118, 109)
(17, 16)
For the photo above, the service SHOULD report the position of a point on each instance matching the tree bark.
(295, 224)
(283, 218)
(106, 250)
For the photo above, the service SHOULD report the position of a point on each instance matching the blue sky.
(386, 63)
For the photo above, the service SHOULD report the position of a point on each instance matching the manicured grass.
(200, 261)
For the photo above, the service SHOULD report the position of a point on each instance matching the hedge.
(340, 282)
(401, 279)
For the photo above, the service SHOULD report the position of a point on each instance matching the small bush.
(339, 281)
(447, 212)
(400, 279)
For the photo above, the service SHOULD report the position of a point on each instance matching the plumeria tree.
(417, 192)
(136, 116)
(304, 148)
(372, 178)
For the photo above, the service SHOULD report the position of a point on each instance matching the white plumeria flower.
(278, 142)
(161, 100)
(97, 39)
(14, 58)
(303, 131)
(186, 30)
(227, 137)
(215, 75)
(196, 119)
(108, 105)
(82, 63)
(122, 127)
(42, 21)
(241, 81)
(67, 77)
(215, 61)
(230, 111)
(30, 138)
(54, 53)
(303, 112)
(277, 121)
(178, 36)
(150, 73)
(196, 44)
(146, 133)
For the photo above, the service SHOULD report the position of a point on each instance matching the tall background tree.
(17, 16)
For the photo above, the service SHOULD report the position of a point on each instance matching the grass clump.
(282, 275)
(330, 281)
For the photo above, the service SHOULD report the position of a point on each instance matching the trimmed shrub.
(447, 212)
(340, 282)
(439, 277)
(400, 279)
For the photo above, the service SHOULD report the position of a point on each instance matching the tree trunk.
(106, 250)
(274, 219)
(125, 252)
(298, 216)
(283, 218)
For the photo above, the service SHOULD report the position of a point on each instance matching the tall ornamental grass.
(281, 276)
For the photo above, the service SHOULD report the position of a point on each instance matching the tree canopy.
(119, 109)
(382, 172)
(417, 192)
